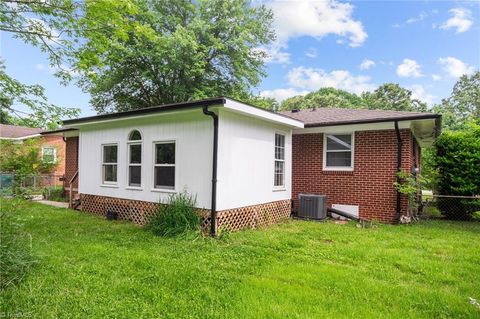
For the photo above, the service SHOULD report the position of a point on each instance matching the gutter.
(435, 117)
(213, 208)
(399, 168)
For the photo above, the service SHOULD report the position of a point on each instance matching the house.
(52, 148)
(245, 165)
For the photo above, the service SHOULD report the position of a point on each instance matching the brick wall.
(370, 185)
(71, 161)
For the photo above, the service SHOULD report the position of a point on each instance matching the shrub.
(432, 211)
(457, 161)
(56, 194)
(177, 216)
(15, 245)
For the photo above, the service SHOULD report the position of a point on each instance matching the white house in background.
(127, 160)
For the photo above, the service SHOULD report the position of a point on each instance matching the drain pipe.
(399, 167)
(213, 209)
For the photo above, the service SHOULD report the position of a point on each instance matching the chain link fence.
(451, 207)
(48, 186)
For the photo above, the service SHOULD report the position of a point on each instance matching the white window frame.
(129, 143)
(104, 182)
(162, 189)
(54, 153)
(275, 160)
(338, 168)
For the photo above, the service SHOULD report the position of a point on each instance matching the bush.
(177, 216)
(56, 194)
(432, 211)
(457, 162)
(15, 245)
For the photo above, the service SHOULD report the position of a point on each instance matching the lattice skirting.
(139, 212)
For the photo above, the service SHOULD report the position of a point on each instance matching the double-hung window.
(135, 159)
(279, 169)
(164, 165)
(109, 164)
(338, 152)
(49, 154)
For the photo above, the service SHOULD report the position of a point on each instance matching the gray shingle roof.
(337, 116)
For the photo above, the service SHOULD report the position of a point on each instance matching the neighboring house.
(52, 148)
(244, 164)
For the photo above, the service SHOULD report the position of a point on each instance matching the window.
(49, 154)
(279, 170)
(109, 166)
(338, 152)
(164, 165)
(135, 159)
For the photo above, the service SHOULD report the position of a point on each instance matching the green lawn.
(92, 268)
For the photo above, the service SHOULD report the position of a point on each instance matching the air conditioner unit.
(312, 206)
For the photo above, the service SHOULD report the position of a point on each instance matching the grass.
(92, 268)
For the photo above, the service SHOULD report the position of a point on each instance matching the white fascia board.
(353, 127)
(19, 138)
(129, 118)
(262, 114)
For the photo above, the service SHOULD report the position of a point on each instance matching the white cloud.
(420, 93)
(311, 53)
(461, 20)
(316, 19)
(455, 67)
(283, 94)
(409, 68)
(40, 67)
(293, 19)
(436, 77)
(366, 64)
(313, 79)
(418, 18)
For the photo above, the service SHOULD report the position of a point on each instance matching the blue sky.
(356, 46)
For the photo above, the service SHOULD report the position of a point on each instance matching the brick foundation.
(230, 220)
(370, 185)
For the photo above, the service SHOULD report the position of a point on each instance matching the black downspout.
(399, 167)
(213, 210)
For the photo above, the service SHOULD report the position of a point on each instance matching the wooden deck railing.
(70, 185)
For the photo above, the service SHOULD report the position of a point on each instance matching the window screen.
(164, 166)
(338, 150)
(109, 165)
(279, 164)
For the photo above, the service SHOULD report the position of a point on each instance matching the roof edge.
(148, 110)
(380, 120)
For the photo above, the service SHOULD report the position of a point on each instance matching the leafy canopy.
(388, 96)
(39, 23)
(463, 105)
(174, 51)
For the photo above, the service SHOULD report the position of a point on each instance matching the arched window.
(135, 136)
(135, 159)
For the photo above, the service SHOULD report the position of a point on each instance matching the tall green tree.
(324, 97)
(391, 96)
(39, 23)
(178, 50)
(463, 104)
